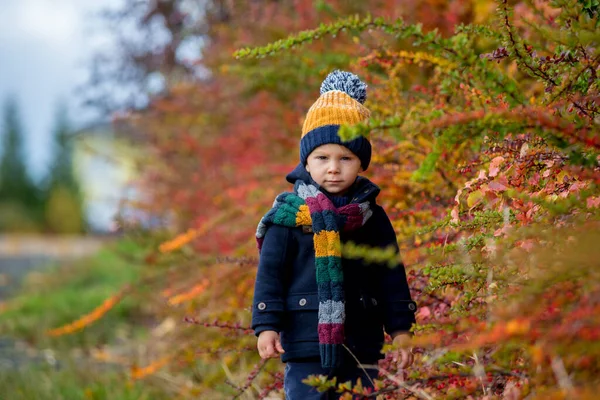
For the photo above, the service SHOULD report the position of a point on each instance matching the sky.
(45, 47)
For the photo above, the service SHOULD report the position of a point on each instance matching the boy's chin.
(335, 190)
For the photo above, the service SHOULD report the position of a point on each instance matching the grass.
(62, 294)
(73, 383)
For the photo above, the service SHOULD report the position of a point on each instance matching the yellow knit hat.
(334, 108)
(340, 103)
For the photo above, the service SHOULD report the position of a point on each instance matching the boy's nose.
(333, 168)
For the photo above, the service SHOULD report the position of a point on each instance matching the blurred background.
(64, 173)
(60, 169)
(53, 145)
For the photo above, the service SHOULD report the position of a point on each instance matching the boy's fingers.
(407, 359)
(403, 360)
(279, 347)
(260, 352)
(269, 350)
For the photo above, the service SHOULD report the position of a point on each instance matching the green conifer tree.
(20, 203)
(64, 209)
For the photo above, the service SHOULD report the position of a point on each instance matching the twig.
(508, 27)
(423, 381)
(217, 324)
(361, 366)
(479, 373)
(564, 381)
(402, 385)
(251, 377)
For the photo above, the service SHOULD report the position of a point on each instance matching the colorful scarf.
(308, 206)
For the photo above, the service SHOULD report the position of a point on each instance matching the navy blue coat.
(285, 292)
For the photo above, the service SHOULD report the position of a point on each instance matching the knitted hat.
(340, 103)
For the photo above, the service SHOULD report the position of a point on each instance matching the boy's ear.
(307, 168)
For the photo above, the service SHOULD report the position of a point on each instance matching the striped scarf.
(308, 206)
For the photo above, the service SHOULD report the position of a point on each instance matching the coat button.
(261, 306)
(374, 301)
(302, 302)
(412, 306)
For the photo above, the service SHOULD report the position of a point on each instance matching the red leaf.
(424, 312)
(496, 186)
(593, 202)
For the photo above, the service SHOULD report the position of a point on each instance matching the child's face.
(333, 167)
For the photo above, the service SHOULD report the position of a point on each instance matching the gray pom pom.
(346, 82)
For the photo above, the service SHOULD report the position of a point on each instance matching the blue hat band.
(329, 134)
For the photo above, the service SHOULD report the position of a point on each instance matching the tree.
(64, 210)
(20, 204)
(149, 58)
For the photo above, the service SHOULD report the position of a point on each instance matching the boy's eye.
(346, 158)
(321, 158)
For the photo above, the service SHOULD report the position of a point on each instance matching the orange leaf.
(495, 165)
(87, 319)
(139, 373)
(190, 294)
(517, 326)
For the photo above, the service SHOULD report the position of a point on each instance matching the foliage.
(73, 382)
(55, 204)
(62, 293)
(154, 44)
(20, 202)
(487, 151)
(64, 206)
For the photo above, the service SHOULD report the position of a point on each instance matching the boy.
(316, 309)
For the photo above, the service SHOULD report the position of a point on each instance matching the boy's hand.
(403, 356)
(269, 345)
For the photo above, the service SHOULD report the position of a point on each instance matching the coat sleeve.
(399, 308)
(267, 306)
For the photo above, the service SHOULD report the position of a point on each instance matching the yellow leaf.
(424, 142)
(537, 354)
(474, 198)
(561, 176)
